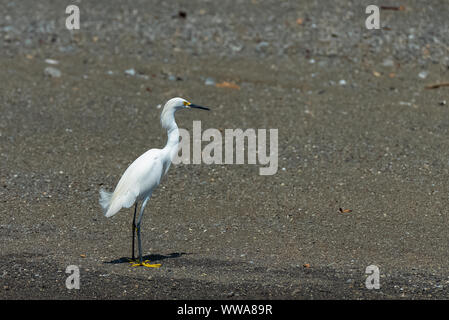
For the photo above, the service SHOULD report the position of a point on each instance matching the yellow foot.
(145, 263)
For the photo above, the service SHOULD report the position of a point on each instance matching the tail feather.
(105, 200)
(109, 204)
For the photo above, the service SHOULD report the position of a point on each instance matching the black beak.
(198, 107)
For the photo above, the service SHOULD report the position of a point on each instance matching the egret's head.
(174, 105)
(180, 103)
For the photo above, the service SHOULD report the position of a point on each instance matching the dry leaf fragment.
(82, 255)
(377, 74)
(345, 210)
(306, 265)
(299, 21)
(226, 84)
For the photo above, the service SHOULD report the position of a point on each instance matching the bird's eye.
(186, 103)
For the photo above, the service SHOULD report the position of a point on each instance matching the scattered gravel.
(363, 149)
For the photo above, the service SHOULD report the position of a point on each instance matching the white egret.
(145, 174)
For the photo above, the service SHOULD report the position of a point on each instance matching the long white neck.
(172, 144)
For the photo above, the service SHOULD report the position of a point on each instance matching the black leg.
(139, 220)
(134, 230)
(136, 227)
(139, 243)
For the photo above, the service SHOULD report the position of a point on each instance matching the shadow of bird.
(151, 257)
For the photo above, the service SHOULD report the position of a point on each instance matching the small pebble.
(262, 45)
(51, 61)
(423, 74)
(52, 72)
(388, 62)
(131, 72)
(209, 82)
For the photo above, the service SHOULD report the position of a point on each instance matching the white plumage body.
(138, 181)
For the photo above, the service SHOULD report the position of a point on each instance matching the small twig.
(400, 8)
(436, 86)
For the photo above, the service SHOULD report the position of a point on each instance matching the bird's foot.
(136, 263)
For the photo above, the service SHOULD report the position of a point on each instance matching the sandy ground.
(357, 130)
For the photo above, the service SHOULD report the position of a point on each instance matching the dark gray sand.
(357, 131)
